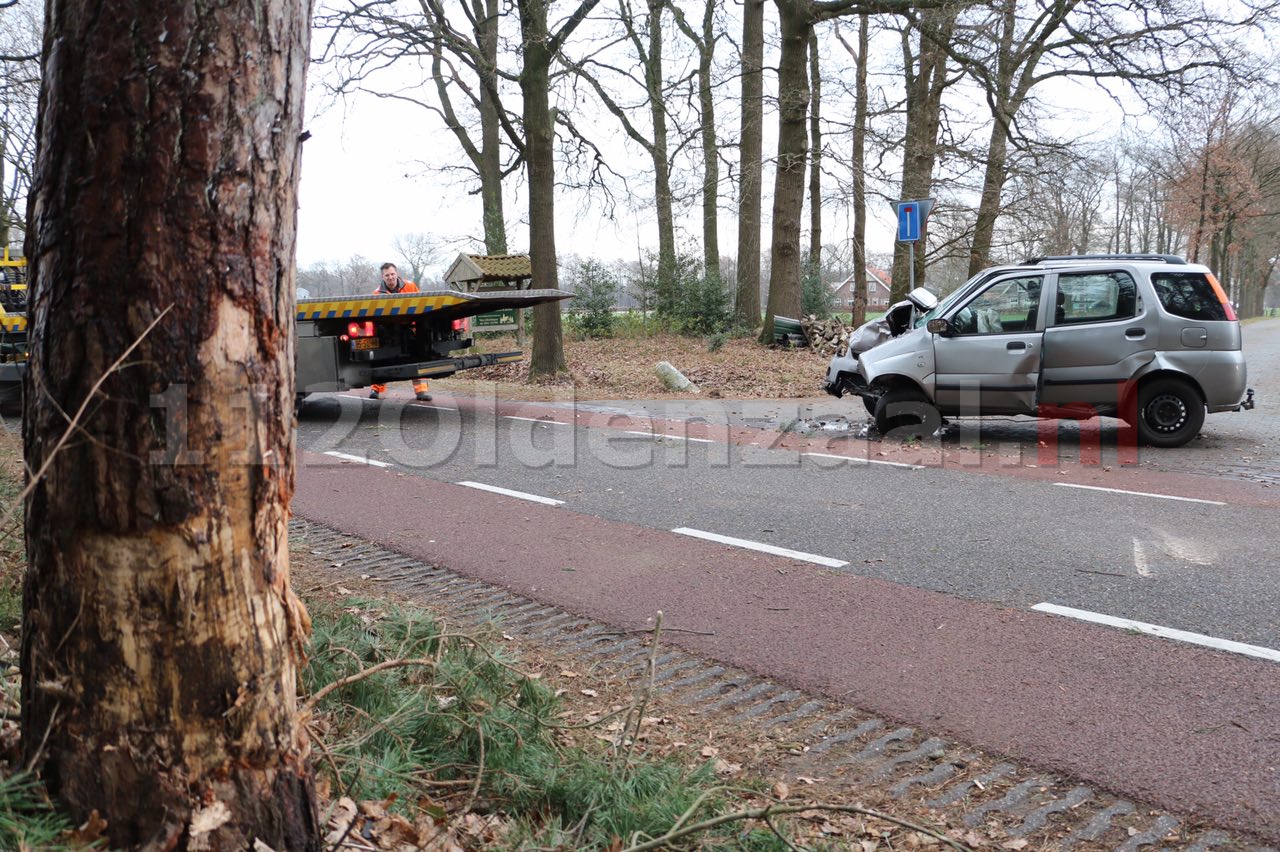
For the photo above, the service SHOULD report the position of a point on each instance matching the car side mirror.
(939, 326)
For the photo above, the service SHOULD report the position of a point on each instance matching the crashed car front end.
(845, 373)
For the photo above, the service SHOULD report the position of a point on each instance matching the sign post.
(911, 218)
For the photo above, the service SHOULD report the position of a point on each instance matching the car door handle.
(1135, 333)
(1016, 345)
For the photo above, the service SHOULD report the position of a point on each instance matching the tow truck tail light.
(368, 329)
(461, 324)
(353, 329)
(1222, 297)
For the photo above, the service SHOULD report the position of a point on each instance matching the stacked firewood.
(826, 337)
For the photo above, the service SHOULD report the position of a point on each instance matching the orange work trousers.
(419, 386)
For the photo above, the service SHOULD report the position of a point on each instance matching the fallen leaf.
(1019, 843)
(590, 693)
(709, 751)
(781, 790)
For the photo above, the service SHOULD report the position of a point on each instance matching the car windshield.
(957, 294)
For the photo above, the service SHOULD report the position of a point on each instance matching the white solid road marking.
(1141, 494)
(436, 407)
(1163, 632)
(536, 420)
(676, 437)
(359, 459)
(857, 460)
(548, 501)
(763, 548)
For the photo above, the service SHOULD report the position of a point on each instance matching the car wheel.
(870, 404)
(905, 413)
(1170, 413)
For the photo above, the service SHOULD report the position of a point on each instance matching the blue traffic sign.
(911, 217)
(908, 221)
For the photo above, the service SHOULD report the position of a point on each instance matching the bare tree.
(160, 639)
(1157, 42)
(705, 44)
(19, 88)
(858, 166)
(927, 78)
(541, 47)
(367, 39)
(815, 162)
(419, 252)
(645, 35)
(797, 18)
(746, 305)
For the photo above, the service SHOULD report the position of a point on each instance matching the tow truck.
(343, 342)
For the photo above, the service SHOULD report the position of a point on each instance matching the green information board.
(495, 321)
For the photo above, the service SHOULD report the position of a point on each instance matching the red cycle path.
(1187, 729)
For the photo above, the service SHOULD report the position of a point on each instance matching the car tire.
(870, 404)
(1170, 413)
(905, 413)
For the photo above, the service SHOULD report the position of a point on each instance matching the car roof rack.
(1072, 258)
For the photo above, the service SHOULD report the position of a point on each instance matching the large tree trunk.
(793, 152)
(927, 79)
(547, 359)
(160, 636)
(860, 176)
(495, 227)
(710, 148)
(746, 305)
(667, 296)
(815, 161)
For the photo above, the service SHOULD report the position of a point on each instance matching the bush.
(816, 298)
(596, 289)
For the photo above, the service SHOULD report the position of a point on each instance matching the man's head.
(390, 277)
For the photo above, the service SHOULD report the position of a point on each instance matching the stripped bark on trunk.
(161, 639)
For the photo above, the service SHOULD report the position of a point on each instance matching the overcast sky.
(370, 171)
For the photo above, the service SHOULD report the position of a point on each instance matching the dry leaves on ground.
(622, 368)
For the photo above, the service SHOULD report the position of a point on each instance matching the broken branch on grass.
(425, 663)
(677, 630)
(652, 668)
(772, 810)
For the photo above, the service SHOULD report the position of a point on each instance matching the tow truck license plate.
(363, 343)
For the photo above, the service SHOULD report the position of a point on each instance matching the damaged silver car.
(1150, 339)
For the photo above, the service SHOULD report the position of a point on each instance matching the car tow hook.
(1247, 405)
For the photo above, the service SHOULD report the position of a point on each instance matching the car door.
(989, 361)
(1097, 337)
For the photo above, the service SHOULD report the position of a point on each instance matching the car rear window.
(1189, 295)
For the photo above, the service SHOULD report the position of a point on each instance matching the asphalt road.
(1023, 537)
(907, 575)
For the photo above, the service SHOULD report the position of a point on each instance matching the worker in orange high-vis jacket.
(393, 283)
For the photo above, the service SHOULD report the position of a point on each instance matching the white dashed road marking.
(536, 420)
(1140, 493)
(676, 437)
(762, 548)
(1163, 632)
(358, 459)
(547, 501)
(856, 460)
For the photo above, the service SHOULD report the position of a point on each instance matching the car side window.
(1009, 305)
(1188, 295)
(1095, 297)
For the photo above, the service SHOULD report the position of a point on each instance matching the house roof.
(877, 276)
(489, 267)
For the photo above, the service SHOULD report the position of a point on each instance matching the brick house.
(877, 291)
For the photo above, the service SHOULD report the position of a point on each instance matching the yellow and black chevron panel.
(370, 307)
(11, 323)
